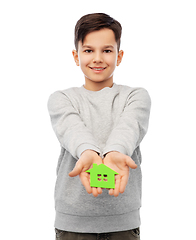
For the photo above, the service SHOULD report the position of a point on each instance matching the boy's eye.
(107, 51)
(88, 51)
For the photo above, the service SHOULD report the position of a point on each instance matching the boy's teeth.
(98, 68)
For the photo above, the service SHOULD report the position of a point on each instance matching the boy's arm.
(126, 136)
(132, 125)
(70, 130)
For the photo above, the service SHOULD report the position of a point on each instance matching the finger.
(123, 183)
(111, 191)
(95, 192)
(117, 186)
(130, 163)
(99, 190)
(84, 178)
(76, 171)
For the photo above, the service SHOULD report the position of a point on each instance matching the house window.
(103, 177)
(99, 177)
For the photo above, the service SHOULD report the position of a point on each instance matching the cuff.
(86, 146)
(117, 148)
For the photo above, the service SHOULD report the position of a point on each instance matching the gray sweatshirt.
(112, 119)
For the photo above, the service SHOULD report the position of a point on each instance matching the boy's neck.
(97, 86)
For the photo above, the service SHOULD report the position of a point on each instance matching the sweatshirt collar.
(102, 90)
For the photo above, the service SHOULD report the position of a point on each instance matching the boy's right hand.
(85, 162)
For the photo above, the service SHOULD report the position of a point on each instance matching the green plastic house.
(102, 176)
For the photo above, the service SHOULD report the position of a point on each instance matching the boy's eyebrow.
(86, 46)
(107, 46)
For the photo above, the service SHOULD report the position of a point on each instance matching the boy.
(100, 122)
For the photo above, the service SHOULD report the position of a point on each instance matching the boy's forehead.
(100, 38)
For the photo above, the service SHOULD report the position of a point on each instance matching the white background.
(159, 40)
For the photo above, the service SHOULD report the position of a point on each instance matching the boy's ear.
(120, 56)
(76, 58)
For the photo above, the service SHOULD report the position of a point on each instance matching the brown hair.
(93, 22)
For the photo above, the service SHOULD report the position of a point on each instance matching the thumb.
(76, 171)
(131, 163)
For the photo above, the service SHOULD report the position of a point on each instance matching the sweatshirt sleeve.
(132, 124)
(70, 130)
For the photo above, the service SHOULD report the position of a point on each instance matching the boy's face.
(98, 57)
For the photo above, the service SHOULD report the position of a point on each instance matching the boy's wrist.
(90, 151)
(109, 153)
(86, 147)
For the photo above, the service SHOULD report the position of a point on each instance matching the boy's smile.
(98, 57)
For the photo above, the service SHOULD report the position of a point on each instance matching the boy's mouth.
(97, 69)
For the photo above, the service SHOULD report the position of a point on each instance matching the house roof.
(101, 168)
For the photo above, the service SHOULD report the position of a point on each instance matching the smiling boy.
(98, 57)
(100, 122)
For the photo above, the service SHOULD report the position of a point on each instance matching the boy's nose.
(97, 58)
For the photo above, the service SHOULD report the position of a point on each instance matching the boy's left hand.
(120, 163)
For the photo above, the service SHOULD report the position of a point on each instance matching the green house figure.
(102, 176)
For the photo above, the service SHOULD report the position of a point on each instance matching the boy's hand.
(120, 163)
(85, 162)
